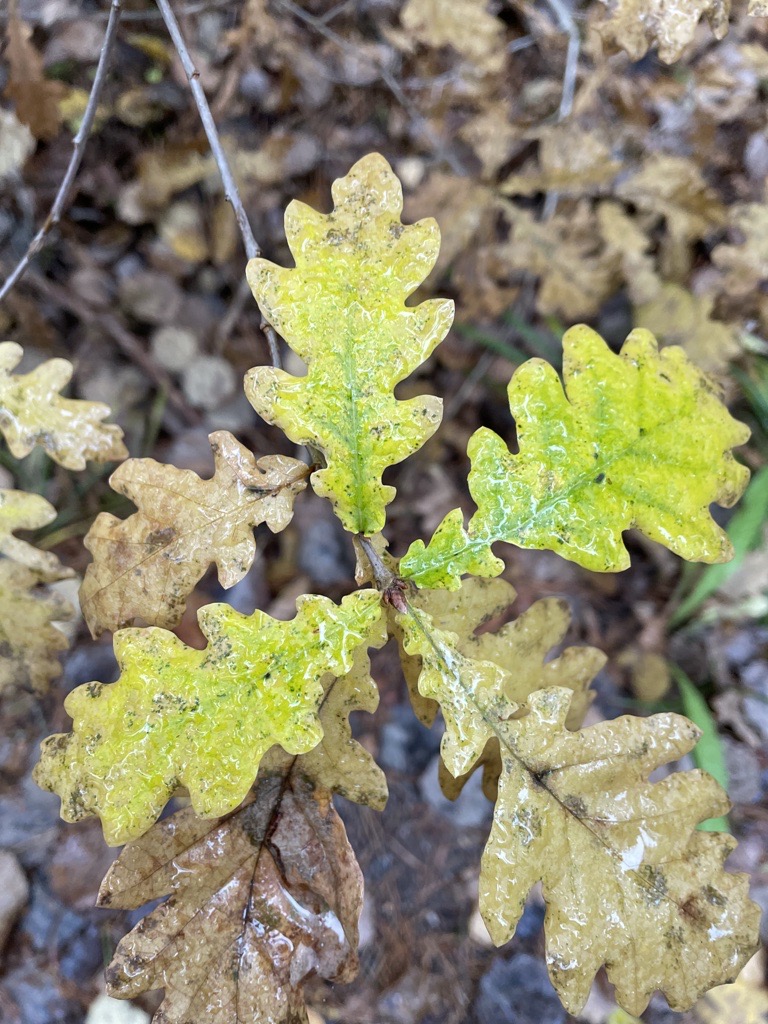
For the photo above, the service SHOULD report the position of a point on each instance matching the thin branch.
(231, 192)
(568, 25)
(78, 149)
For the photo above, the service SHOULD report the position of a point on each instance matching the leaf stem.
(78, 149)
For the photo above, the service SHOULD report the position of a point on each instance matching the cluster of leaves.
(71, 431)
(263, 889)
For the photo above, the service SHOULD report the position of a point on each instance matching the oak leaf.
(202, 719)
(627, 881)
(636, 25)
(33, 413)
(626, 241)
(525, 643)
(145, 567)
(36, 97)
(259, 901)
(745, 264)
(571, 161)
(436, 24)
(640, 439)
(565, 252)
(342, 310)
(679, 317)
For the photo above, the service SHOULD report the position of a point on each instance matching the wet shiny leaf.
(259, 901)
(202, 719)
(629, 882)
(342, 309)
(640, 439)
(33, 413)
(145, 567)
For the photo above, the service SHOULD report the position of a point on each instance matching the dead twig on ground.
(78, 149)
(231, 193)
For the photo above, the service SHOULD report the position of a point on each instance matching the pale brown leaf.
(36, 97)
(679, 317)
(146, 566)
(637, 25)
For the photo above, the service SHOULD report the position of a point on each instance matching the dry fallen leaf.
(678, 317)
(463, 206)
(145, 567)
(465, 25)
(36, 97)
(625, 240)
(565, 252)
(637, 25)
(16, 143)
(260, 900)
(745, 263)
(571, 161)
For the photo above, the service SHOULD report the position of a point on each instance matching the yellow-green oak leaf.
(342, 310)
(636, 439)
(200, 719)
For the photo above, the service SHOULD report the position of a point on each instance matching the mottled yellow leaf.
(628, 881)
(202, 719)
(145, 567)
(640, 439)
(342, 310)
(339, 763)
(33, 413)
(745, 262)
(259, 902)
(637, 25)
(678, 317)
(522, 646)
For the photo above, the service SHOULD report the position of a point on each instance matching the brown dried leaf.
(678, 317)
(463, 205)
(626, 241)
(33, 413)
(673, 187)
(36, 97)
(745, 263)
(259, 900)
(571, 161)
(146, 566)
(465, 25)
(637, 25)
(565, 252)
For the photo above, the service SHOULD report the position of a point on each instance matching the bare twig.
(231, 192)
(125, 341)
(78, 149)
(566, 22)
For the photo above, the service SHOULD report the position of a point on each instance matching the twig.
(78, 149)
(231, 192)
(130, 345)
(568, 25)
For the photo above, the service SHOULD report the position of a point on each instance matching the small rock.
(208, 381)
(324, 554)
(80, 861)
(406, 746)
(517, 991)
(150, 297)
(741, 647)
(14, 893)
(743, 771)
(173, 347)
(106, 1010)
(470, 809)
